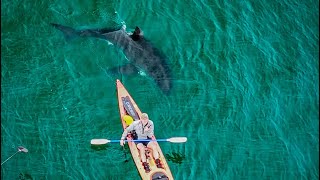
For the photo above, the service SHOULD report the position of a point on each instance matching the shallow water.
(245, 89)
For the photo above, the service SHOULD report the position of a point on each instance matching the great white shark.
(140, 52)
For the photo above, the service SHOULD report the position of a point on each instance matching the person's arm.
(151, 130)
(125, 132)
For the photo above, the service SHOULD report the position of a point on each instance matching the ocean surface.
(245, 92)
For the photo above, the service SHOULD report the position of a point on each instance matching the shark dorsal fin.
(137, 34)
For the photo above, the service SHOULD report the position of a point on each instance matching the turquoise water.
(245, 88)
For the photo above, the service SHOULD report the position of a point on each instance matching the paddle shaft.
(9, 157)
(172, 140)
(140, 140)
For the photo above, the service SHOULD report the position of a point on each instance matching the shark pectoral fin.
(127, 69)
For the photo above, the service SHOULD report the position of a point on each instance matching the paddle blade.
(177, 139)
(99, 141)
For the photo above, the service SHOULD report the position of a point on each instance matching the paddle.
(173, 140)
(20, 149)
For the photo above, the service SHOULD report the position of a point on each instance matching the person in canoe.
(144, 129)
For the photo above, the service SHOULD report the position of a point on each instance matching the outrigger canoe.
(128, 107)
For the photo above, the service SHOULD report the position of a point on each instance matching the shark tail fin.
(68, 32)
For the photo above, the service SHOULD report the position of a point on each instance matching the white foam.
(124, 27)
